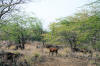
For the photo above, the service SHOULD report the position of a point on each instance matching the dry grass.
(45, 60)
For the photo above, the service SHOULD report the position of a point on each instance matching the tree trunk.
(23, 45)
(22, 41)
(71, 45)
(43, 42)
(0, 16)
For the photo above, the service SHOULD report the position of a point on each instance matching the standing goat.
(53, 50)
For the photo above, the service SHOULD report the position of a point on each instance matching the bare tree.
(7, 6)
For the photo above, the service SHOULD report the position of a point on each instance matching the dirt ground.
(60, 60)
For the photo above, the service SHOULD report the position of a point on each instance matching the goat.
(53, 50)
(10, 56)
(81, 50)
(84, 51)
(75, 49)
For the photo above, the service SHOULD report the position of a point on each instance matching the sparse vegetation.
(75, 39)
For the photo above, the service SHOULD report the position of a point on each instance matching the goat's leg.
(56, 53)
(49, 53)
(52, 53)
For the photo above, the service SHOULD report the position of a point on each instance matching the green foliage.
(19, 28)
(82, 30)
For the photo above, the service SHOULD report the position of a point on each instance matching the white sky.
(49, 10)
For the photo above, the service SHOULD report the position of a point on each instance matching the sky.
(49, 10)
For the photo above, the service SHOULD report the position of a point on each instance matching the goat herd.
(55, 49)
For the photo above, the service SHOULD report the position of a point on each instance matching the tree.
(7, 6)
(77, 30)
(20, 28)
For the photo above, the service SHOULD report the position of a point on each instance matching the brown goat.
(53, 50)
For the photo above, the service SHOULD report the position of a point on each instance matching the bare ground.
(60, 60)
